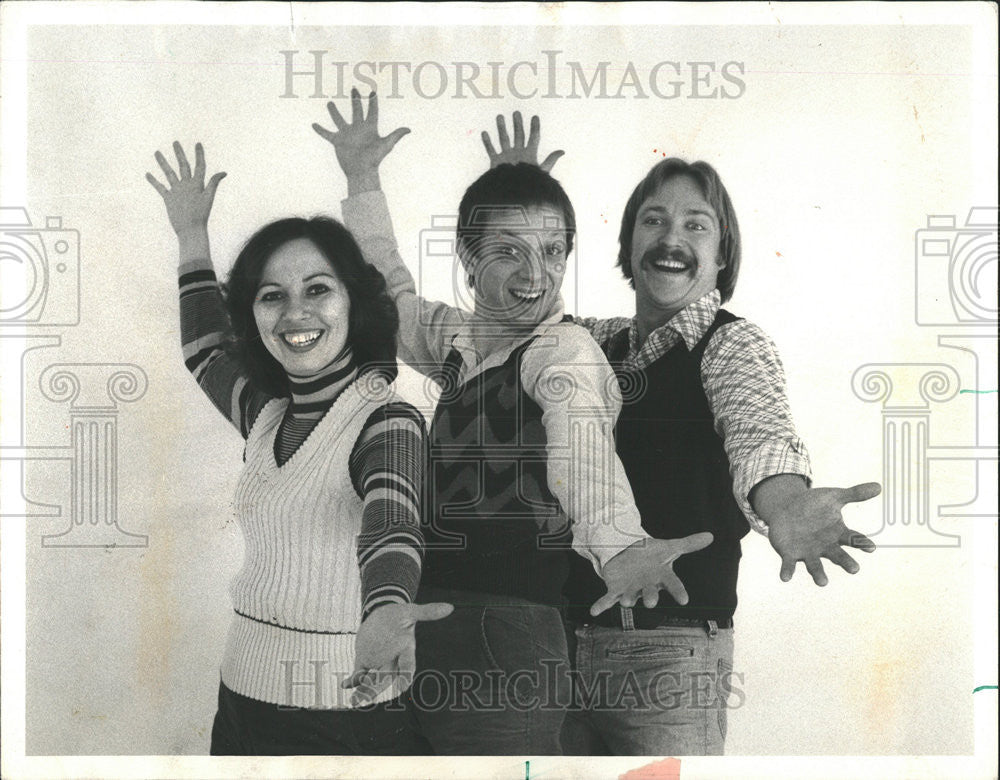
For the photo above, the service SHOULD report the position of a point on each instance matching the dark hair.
(714, 192)
(373, 321)
(509, 185)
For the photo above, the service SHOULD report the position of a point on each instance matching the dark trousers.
(492, 677)
(247, 727)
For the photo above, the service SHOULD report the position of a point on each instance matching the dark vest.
(495, 526)
(679, 474)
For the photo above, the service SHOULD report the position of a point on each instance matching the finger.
(165, 167)
(373, 107)
(395, 135)
(840, 557)
(490, 151)
(862, 492)
(355, 679)
(629, 599)
(199, 163)
(213, 185)
(183, 166)
(551, 160)
(857, 540)
(534, 134)
(604, 603)
(329, 135)
(787, 569)
(156, 185)
(518, 130)
(502, 136)
(338, 120)
(434, 611)
(815, 568)
(675, 587)
(650, 597)
(693, 542)
(357, 112)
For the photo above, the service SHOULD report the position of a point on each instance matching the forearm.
(388, 465)
(744, 383)
(425, 327)
(205, 328)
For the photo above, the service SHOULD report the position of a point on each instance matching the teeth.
(302, 339)
(671, 265)
(527, 295)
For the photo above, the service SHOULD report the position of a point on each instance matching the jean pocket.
(648, 652)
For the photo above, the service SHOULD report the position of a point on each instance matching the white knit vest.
(297, 597)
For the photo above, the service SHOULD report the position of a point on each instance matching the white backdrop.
(851, 127)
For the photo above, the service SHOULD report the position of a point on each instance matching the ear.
(471, 281)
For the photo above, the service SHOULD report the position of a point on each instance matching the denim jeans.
(247, 727)
(649, 692)
(492, 677)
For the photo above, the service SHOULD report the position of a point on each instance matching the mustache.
(662, 252)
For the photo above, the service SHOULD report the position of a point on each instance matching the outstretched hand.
(519, 151)
(384, 650)
(359, 147)
(644, 568)
(188, 198)
(809, 526)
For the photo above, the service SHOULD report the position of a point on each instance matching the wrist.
(363, 181)
(192, 244)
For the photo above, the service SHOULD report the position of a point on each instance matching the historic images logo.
(41, 294)
(956, 294)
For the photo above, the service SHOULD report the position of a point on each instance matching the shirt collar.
(690, 323)
(478, 340)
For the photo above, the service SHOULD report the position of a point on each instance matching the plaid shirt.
(744, 382)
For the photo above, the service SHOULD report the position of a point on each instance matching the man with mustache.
(708, 444)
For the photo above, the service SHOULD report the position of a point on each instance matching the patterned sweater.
(383, 465)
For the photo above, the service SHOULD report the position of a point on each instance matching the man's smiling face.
(675, 249)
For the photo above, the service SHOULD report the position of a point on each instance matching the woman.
(297, 355)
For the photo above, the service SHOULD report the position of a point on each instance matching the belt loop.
(713, 629)
(628, 621)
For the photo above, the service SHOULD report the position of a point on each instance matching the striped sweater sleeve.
(205, 330)
(387, 469)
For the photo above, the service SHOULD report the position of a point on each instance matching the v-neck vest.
(297, 597)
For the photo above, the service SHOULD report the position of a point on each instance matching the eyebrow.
(265, 283)
(709, 214)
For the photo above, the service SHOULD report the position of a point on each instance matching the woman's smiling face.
(301, 308)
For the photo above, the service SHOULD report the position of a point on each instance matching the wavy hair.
(373, 320)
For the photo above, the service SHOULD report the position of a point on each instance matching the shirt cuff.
(769, 460)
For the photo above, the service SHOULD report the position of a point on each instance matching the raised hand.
(187, 197)
(643, 569)
(519, 151)
(384, 650)
(359, 147)
(809, 525)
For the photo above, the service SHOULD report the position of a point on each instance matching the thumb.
(393, 138)
(213, 183)
(862, 492)
(551, 160)
(693, 542)
(434, 611)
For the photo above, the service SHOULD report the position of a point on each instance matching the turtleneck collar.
(312, 395)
